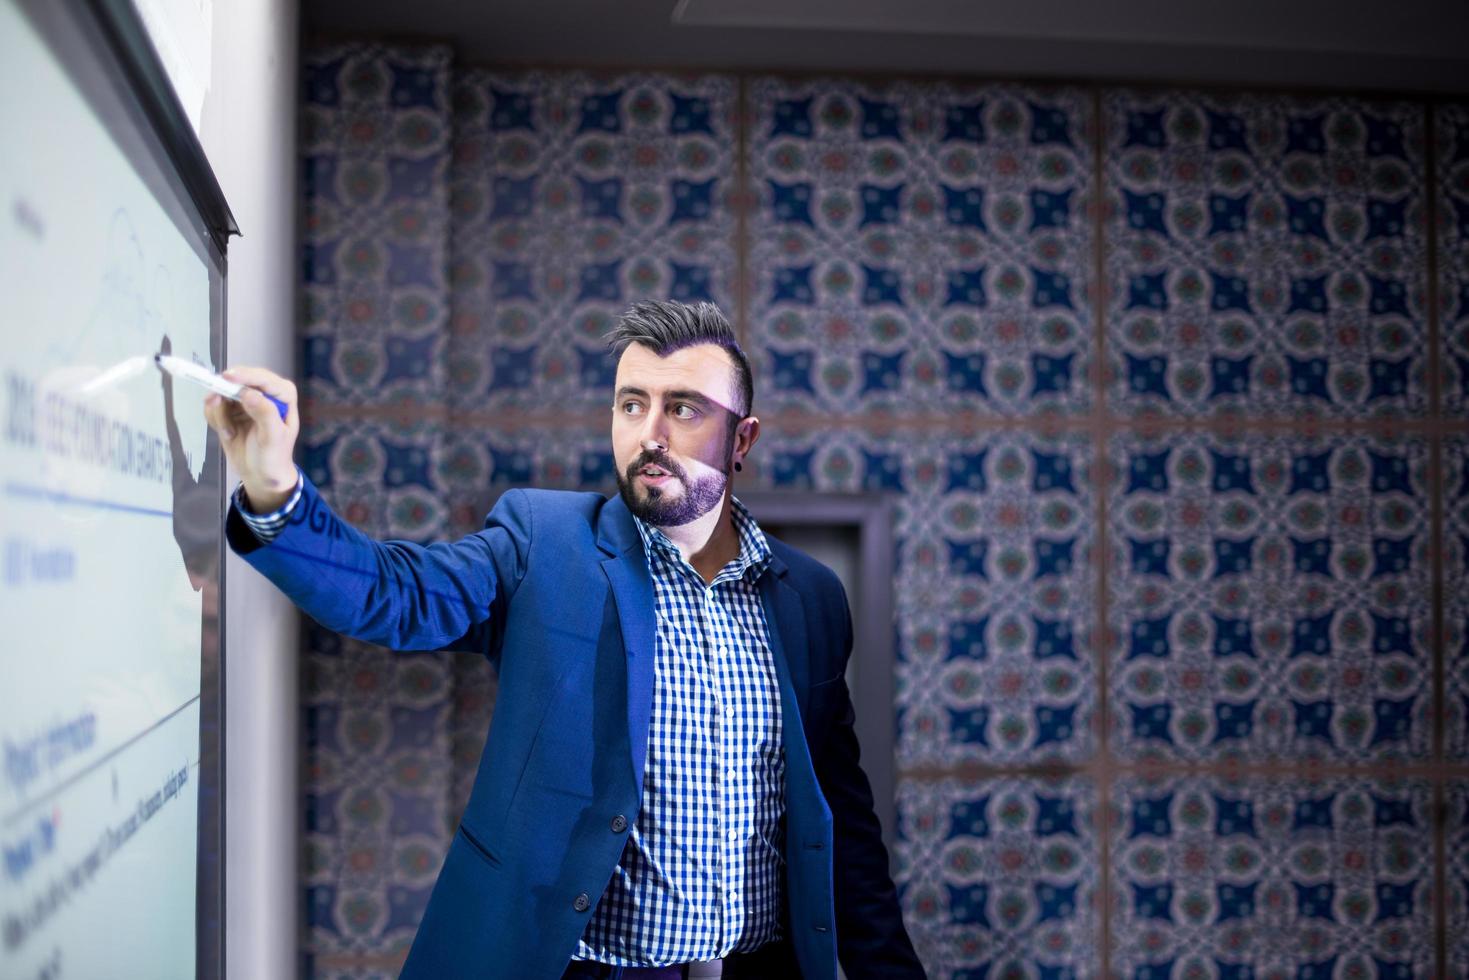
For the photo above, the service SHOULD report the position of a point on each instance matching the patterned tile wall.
(1268, 254)
(995, 595)
(1145, 589)
(1452, 170)
(574, 194)
(920, 246)
(997, 877)
(1456, 884)
(1452, 126)
(993, 584)
(1456, 596)
(375, 145)
(1219, 877)
(1272, 598)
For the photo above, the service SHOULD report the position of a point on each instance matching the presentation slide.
(106, 543)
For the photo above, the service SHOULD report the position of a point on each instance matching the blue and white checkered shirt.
(701, 874)
(267, 527)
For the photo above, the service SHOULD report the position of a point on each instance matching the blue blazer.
(555, 590)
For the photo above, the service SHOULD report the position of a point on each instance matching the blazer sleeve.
(398, 594)
(871, 939)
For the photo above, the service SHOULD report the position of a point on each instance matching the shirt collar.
(754, 552)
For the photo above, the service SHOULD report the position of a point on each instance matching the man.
(670, 786)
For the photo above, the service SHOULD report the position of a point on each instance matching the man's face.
(674, 416)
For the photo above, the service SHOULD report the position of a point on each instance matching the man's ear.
(747, 433)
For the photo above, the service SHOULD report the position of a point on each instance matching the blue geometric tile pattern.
(1265, 254)
(374, 817)
(375, 148)
(1270, 598)
(1456, 597)
(920, 246)
(574, 195)
(994, 589)
(995, 596)
(1452, 167)
(1213, 877)
(997, 877)
(1456, 823)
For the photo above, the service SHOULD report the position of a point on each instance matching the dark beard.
(657, 508)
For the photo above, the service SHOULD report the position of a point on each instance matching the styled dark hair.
(667, 326)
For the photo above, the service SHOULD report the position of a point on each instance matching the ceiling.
(1407, 46)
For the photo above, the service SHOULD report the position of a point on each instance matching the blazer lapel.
(785, 615)
(632, 590)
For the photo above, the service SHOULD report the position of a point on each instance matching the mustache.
(659, 460)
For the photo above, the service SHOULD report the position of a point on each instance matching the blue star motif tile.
(1146, 129)
(513, 198)
(964, 122)
(880, 205)
(692, 200)
(690, 115)
(791, 202)
(1229, 376)
(413, 86)
(1049, 124)
(1306, 216)
(879, 120)
(601, 198)
(792, 117)
(511, 110)
(793, 285)
(966, 287)
(1148, 291)
(964, 207)
(1145, 212)
(601, 113)
(691, 283)
(1227, 132)
(1308, 295)
(1050, 373)
(1050, 209)
(1228, 215)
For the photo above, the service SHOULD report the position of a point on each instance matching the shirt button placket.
(709, 617)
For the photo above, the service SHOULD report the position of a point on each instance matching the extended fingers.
(265, 380)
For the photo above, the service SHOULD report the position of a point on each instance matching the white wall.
(248, 128)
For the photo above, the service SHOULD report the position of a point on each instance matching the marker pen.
(188, 370)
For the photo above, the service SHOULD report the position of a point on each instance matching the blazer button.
(619, 824)
(582, 903)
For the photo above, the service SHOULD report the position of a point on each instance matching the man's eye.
(685, 411)
(630, 408)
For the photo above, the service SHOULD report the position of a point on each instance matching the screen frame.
(104, 47)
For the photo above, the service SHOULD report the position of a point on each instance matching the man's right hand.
(255, 440)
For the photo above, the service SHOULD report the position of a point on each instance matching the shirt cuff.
(267, 527)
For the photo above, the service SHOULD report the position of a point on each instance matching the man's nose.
(655, 431)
